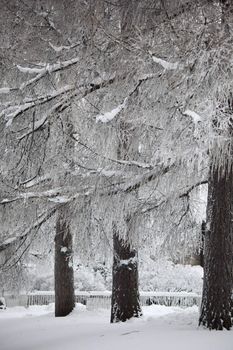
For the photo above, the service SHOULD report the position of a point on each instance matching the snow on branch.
(50, 194)
(128, 262)
(40, 73)
(57, 194)
(195, 117)
(11, 112)
(133, 163)
(47, 69)
(165, 64)
(29, 70)
(63, 47)
(34, 181)
(59, 48)
(108, 116)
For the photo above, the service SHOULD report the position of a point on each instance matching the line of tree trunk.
(217, 288)
(63, 270)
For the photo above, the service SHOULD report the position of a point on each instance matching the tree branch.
(190, 189)
(39, 222)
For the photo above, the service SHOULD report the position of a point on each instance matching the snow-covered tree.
(152, 69)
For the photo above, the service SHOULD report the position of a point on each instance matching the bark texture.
(125, 294)
(64, 277)
(217, 289)
(202, 243)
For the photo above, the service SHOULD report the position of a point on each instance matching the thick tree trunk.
(125, 294)
(217, 289)
(64, 277)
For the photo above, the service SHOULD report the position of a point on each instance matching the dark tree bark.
(217, 289)
(125, 294)
(64, 277)
(202, 243)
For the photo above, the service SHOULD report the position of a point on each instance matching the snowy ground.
(161, 328)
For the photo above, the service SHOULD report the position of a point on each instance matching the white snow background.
(160, 328)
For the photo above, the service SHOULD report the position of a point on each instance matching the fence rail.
(97, 300)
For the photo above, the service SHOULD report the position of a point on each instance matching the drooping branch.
(117, 161)
(63, 195)
(190, 189)
(148, 207)
(43, 121)
(33, 181)
(13, 111)
(53, 193)
(42, 72)
(13, 238)
(151, 176)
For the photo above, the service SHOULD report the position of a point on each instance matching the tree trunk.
(217, 289)
(125, 294)
(64, 276)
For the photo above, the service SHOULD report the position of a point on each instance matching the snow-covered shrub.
(91, 278)
(45, 282)
(163, 275)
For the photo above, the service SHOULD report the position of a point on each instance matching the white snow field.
(160, 328)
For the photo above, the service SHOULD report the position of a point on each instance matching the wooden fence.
(98, 300)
